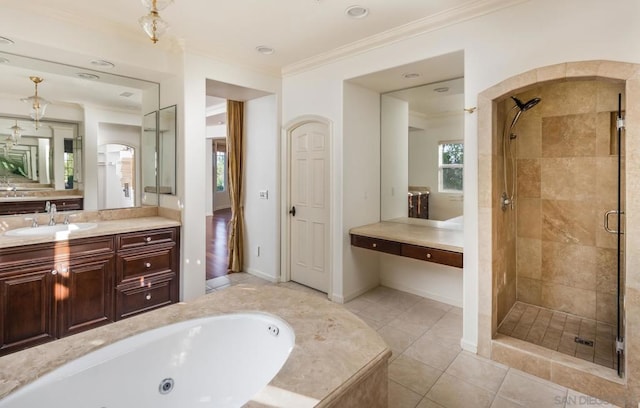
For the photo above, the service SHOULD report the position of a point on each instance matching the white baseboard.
(470, 347)
(262, 275)
(426, 294)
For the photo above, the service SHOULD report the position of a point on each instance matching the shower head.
(526, 105)
(522, 107)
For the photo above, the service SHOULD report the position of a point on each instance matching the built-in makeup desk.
(427, 240)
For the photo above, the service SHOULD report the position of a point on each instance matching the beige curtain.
(235, 150)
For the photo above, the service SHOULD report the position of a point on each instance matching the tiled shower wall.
(566, 181)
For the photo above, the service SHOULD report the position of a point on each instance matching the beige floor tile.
(399, 300)
(531, 391)
(427, 403)
(478, 371)
(375, 325)
(417, 329)
(376, 293)
(578, 399)
(451, 392)
(449, 327)
(423, 313)
(499, 402)
(397, 339)
(357, 304)
(433, 351)
(402, 397)
(413, 374)
(379, 313)
(238, 276)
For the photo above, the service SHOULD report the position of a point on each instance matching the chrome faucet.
(52, 214)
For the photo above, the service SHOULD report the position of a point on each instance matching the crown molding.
(432, 23)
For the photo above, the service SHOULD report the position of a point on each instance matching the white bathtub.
(219, 361)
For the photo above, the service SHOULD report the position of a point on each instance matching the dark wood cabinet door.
(85, 294)
(26, 309)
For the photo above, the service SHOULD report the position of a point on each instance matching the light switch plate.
(264, 194)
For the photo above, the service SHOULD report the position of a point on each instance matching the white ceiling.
(297, 29)
(300, 31)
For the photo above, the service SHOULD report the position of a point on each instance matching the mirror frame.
(166, 150)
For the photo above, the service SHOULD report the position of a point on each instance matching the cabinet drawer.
(432, 255)
(32, 254)
(146, 238)
(134, 265)
(141, 299)
(376, 244)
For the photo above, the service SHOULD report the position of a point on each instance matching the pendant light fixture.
(152, 24)
(16, 132)
(37, 103)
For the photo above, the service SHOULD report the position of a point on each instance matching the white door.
(309, 222)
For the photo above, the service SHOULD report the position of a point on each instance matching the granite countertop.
(104, 227)
(333, 347)
(448, 236)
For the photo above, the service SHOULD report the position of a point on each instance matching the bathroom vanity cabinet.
(146, 271)
(55, 289)
(26, 206)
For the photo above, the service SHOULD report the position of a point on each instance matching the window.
(450, 164)
(221, 165)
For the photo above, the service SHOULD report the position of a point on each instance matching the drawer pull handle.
(428, 256)
(54, 272)
(374, 245)
(147, 265)
(147, 239)
(148, 297)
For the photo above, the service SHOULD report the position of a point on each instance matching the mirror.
(97, 113)
(149, 158)
(422, 131)
(36, 159)
(167, 151)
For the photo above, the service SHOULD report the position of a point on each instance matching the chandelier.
(13, 138)
(152, 24)
(37, 103)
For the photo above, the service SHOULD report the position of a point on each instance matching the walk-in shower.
(558, 279)
(507, 149)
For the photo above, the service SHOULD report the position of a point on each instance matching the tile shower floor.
(428, 369)
(558, 331)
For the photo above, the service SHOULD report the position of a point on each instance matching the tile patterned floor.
(558, 331)
(428, 369)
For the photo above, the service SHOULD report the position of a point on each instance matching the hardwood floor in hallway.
(217, 233)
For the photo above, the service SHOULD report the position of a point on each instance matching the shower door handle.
(606, 222)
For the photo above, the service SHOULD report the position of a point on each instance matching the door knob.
(293, 211)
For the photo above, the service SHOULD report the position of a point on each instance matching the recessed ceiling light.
(265, 50)
(410, 75)
(441, 89)
(357, 11)
(5, 40)
(86, 75)
(4, 60)
(126, 94)
(102, 63)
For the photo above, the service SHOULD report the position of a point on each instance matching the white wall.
(496, 46)
(192, 161)
(394, 173)
(262, 219)
(361, 189)
(111, 133)
(93, 119)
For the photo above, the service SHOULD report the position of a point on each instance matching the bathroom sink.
(50, 229)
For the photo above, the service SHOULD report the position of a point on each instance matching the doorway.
(116, 176)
